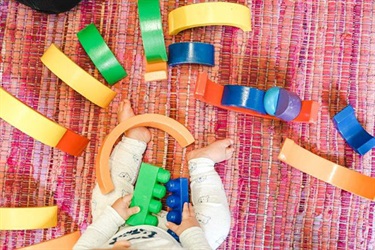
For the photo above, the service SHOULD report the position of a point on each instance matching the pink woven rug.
(322, 50)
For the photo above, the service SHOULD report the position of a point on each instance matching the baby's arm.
(107, 224)
(189, 231)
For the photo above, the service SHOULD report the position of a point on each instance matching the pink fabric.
(322, 50)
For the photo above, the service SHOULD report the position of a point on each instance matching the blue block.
(351, 130)
(243, 97)
(179, 189)
(192, 52)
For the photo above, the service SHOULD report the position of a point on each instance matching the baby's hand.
(188, 220)
(119, 245)
(122, 204)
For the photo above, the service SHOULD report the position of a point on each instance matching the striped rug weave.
(322, 50)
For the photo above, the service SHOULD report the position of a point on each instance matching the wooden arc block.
(155, 71)
(65, 242)
(205, 14)
(72, 143)
(211, 93)
(169, 125)
(23, 218)
(327, 171)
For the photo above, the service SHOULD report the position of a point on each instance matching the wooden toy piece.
(41, 128)
(270, 100)
(282, 103)
(327, 171)
(29, 121)
(211, 93)
(212, 13)
(72, 143)
(352, 131)
(169, 125)
(155, 71)
(191, 52)
(152, 30)
(76, 77)
(309, 112)
(288, 105)
(179, 189)
(65, 242)
(147, 194)
(100, 54)
(243, 97)
(23, 218)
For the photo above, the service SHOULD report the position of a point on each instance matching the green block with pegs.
(148, 193)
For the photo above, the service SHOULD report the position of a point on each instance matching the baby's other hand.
(124, 244)
(188, 220)
(121, 205)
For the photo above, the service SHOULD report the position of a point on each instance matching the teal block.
(270, 100)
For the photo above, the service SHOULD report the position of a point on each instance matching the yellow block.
(29, 121)
(76, 77)
(212, 13)
(23, 218)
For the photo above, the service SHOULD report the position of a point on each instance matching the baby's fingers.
(191, 210)
(121, 245)
(172, 226)
(127, 198)
(133, 210)
(186, 211)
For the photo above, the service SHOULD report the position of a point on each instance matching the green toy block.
(147, 194)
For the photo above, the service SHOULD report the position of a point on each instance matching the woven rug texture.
(321, 50)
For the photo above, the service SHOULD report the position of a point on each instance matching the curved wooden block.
(65, 242)
(270, 100)
(212, 13)
(288, 105)
(327, 171)
(152, 30)
(23, 218)
(29, 121)
(41, 128)
(352, 131)
(309, 112)
(243, 97)
(191, 52)
(211, 93)
(169, 125)
(78, 79)
(100, 54)
(72, 143)
(155, 71)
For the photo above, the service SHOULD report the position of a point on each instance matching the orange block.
(65, 242)
(72, 143)
(211, 93)
(309, 112)
(155, 71)
(169, 125)
(327, 171)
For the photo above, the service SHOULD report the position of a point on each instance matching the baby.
(204, 226)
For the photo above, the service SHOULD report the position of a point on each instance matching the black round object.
(50, 6)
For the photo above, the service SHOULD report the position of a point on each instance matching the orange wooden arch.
(169, 125)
